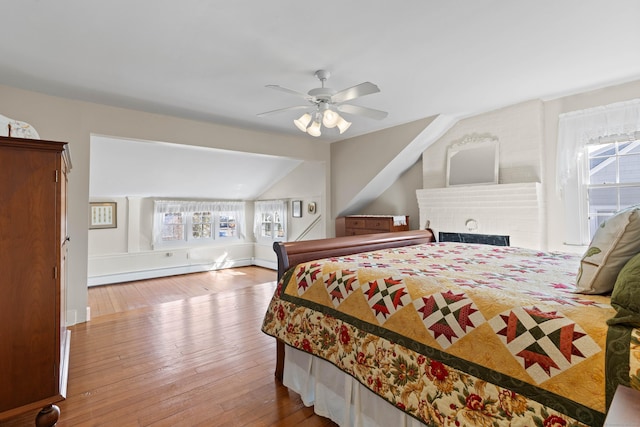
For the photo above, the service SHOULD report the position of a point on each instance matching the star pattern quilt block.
(545, 343)
(448, 316)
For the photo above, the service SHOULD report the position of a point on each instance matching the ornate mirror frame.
(473, 160)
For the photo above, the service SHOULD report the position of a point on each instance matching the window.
(613, 179)
(227, 225)
(173, 226)
(597, 159)
(201, 225)
(184, 223)
(269, 222)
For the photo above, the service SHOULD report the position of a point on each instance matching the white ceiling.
(155, 169)
(210, 60)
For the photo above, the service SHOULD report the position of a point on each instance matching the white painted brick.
(506, 209)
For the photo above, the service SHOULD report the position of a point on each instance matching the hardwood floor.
(178, 351)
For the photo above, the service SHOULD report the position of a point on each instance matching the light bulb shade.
(343, 125)
(303, 122)
(314, 129)
(330, 118)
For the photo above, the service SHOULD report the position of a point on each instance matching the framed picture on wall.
(103, 215)
(296, 208)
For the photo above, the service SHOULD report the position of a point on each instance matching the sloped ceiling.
(211, 60)
(155, 169)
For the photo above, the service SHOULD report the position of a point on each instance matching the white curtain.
(578, 128)
(172, 206)
(169, 206)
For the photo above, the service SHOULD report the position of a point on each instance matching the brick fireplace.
(514, 210)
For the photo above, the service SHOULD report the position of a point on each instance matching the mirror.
(473, 160)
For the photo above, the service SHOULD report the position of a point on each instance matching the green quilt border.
(617, 359)
(549, 399)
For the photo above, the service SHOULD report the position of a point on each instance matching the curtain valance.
(172, 206)
(576, 129)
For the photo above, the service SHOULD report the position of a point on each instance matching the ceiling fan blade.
(282, 110)
(363, 111)
(292, 92)
(366, 88)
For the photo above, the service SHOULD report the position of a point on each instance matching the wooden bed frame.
(292, 253)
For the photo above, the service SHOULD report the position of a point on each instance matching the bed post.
(283, 260)
(279, 359)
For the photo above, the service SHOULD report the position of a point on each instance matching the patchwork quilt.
(455, 334)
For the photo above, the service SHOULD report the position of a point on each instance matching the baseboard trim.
(265, 263)
(164, 272)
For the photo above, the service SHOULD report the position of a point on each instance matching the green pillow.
(625, 297)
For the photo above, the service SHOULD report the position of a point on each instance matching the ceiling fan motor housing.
(322, 94)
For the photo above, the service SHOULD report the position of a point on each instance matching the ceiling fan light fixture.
(329, 103)
(330, 118)
(314, 129)
(303, 122)
(343, 125)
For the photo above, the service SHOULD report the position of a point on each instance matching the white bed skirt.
(339, 396)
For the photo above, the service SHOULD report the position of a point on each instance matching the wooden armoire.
(34, 340)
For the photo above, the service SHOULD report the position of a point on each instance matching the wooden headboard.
(292, 253)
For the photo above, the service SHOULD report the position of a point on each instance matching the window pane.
(612, 167)
(603, 198)
(196, 230)
(629, 196)
(265, 229)
(172, 227)
(201, 225)
(227, 226)
(630, 168)
(603, 168)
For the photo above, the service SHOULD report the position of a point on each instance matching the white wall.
(400, 198)
(528, 139)
(519, 129)
(307, 182)
(356, 161)
(73, 121)
(558, 218)
(127, 252)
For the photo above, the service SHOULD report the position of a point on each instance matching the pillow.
(625, 297)
(615, 242)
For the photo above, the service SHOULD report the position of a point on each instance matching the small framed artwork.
(296, 208)
(311, 208)
(102, 215)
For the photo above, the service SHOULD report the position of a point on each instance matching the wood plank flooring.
(178, 351)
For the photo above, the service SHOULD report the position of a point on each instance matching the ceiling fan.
(328, 102)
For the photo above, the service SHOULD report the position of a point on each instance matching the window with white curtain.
(229, 218)
(613, 179)
(598, 165)
(185, 223)
(270, 220)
